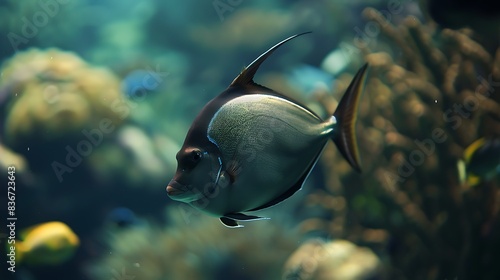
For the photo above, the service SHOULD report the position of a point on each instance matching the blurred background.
(96, 98)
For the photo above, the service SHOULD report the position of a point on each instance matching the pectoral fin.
(233, 170)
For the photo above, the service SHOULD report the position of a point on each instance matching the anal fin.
(230, 223)
(244, 217)
(230, 220)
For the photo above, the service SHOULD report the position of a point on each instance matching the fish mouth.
(174, 188)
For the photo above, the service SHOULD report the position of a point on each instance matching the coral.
(338, 259)
(196, 246)
(54, 95)
(430, 93)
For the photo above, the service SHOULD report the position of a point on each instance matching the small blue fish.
(252, 147)
(139, 82)
(122, 217)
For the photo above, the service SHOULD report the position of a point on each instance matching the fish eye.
(189, 159)
(196, 155)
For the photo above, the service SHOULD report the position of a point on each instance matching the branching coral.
(422, 108)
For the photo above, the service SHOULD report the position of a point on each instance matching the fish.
(481, 161)
(49, 243)
(251, 147)
(139, 83)
(122, 217)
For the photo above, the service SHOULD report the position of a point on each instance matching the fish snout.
(175, 188)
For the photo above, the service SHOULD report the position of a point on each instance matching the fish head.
(197, 175)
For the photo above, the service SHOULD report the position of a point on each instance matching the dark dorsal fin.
(244, 84)
(246, 76)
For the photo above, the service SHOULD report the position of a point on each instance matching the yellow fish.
(49, 243)
(481, 161)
